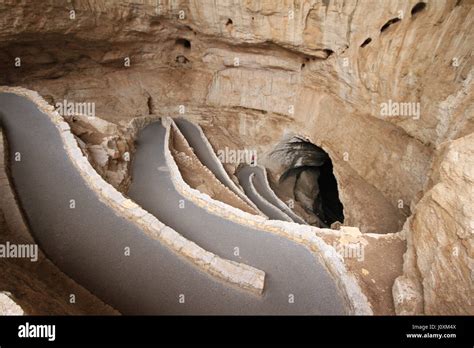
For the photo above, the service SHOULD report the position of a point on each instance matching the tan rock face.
(107, 146)
(439, 265)
(8, 306)
(378, 85)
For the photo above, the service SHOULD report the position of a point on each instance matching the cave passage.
(332, 207)
(315, 185)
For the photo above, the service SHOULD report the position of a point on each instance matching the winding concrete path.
(88, 241)
(263, 195)
(247, 180)
(205, 153)
(292, 271)
(262, 186)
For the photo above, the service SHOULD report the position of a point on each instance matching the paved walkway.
(290, 268)
(260, 182)
(203, 150)
(87, 242)
(247, 180)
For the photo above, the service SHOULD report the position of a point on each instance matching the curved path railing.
(140, 266)
(288, 256)
(103, 240)
(180, 144)
(204, 151)
(305, 235)
(262, 186)
(247, 181)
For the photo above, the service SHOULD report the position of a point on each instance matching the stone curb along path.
(212, 162)
(20, 231)
(261, 181)
(13, 220)
(8, 203)
(355, 299)
(253, 210)
(241, 275)
(269, 199)
(292, 270)
(248, 183)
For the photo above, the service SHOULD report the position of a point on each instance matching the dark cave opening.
(366, 42)
(418, 8)
(315, 185)
(332, 207)
(328, 52)
(389, 23)
(150, 105)
(183, 42)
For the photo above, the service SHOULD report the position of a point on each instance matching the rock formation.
(385, 89)
(439, 265)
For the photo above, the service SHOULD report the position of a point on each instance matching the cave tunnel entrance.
(332, 207)
(310, 170)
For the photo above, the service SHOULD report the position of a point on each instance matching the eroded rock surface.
(108, 147)
(8, 306)
(256, 73)
(439, 264)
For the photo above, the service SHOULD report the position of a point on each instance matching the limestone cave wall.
(254, 73)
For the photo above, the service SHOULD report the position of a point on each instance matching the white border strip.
(8, 203)
(228, 181)
(356, 301)
(279, 202)
(262, 200)
(209, 172)
(244, 276)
